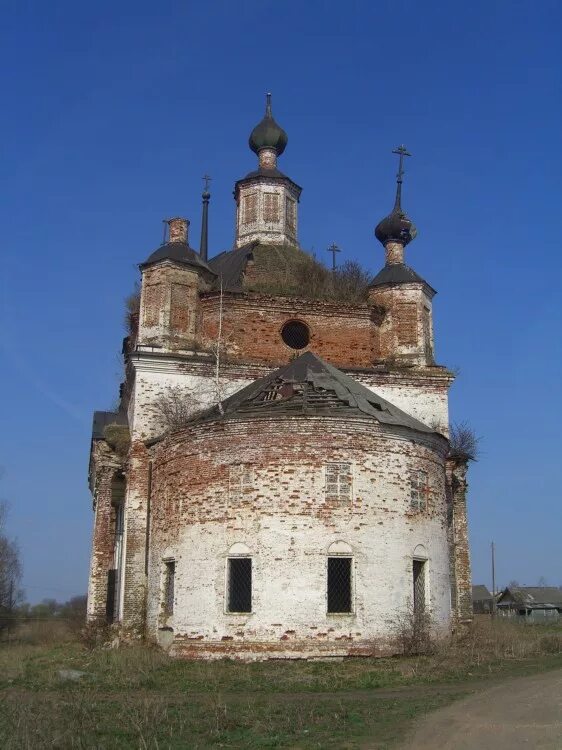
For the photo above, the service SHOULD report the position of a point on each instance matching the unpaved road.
(522, 712)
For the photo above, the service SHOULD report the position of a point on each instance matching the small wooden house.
(533, 604)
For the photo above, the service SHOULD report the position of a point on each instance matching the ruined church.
(278, 481)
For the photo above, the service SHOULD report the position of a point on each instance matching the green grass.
(137, 697)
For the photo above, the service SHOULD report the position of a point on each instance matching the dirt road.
(522, 712)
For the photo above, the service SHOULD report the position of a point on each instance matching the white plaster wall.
(289, 550)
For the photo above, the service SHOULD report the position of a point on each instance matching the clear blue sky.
(113, 111)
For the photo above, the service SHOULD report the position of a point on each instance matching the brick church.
(278, 480)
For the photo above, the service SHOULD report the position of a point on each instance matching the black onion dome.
(268, 134)
(396, 227)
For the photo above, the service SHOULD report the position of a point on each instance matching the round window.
(295, 334)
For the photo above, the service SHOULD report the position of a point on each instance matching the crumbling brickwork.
(288, 524)
(460, 573)
(406, 331)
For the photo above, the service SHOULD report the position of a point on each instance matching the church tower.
(266, 199)
(406, 331)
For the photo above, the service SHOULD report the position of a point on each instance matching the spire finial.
(268, 105)
(204, 244)
(402, 152)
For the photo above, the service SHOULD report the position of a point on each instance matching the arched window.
(419, 579)
(339, 589)
(239, 579)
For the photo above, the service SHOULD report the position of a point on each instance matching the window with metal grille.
(169, 585)
(418, 574)
(419, 487)
(338, 482)
(295, 334)
(240, 480)
(339, 585)
(250, 208)
(271, 207)
(239, 594)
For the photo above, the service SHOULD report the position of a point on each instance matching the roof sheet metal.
(480, 593)
(178, 252)
(330, 391)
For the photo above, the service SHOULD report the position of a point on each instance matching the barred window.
(338, 482)
(418, 580)
(239, 593)
(339, 585)
(240, 481)
(250, 208)
(419, 488)
(169, 585)
(271, 207)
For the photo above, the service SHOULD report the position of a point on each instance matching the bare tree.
(10, 572)
(463, 441)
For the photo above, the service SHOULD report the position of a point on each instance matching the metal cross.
(207, 181)
(333, 249)
(402, 152)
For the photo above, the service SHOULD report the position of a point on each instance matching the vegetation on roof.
(464, 444)
(118, 437)
(290, 272)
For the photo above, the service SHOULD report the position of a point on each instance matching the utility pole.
(334, 249)
(493, 547)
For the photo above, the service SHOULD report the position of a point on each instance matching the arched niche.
(339, 548)
(420, 552)
(239, 549)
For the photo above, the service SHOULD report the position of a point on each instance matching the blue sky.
(112, 112)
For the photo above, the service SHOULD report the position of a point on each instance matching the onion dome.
(397, 227)
(268, 134)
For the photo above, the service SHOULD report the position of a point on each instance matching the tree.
(10, 572)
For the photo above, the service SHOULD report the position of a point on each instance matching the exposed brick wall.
(406, 331)
(461, 578)
(136, 515)
(170, 306)
(106, 467)
(341, 334)
(285, 520)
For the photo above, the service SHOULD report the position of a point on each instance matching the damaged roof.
(230, 266)
(533, 596)
(310, 386)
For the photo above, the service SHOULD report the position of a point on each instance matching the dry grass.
(137, 697)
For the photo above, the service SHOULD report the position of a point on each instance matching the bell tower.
(406, 331)
(266, 199)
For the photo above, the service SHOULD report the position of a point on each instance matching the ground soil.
(524, 711)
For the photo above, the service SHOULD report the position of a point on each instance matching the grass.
(137, 697)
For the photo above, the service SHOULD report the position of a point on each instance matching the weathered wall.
(263, 218)
(460, 571)
(406, 331)
(286, 522)
(343, 335)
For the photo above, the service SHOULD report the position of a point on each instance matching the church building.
(278, 481)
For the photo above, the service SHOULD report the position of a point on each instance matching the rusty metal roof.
(310, 386)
